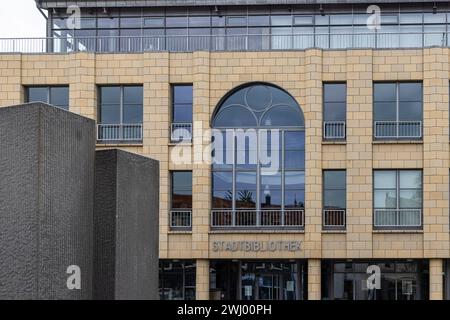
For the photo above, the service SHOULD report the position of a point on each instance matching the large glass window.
(56, 95)
(334, 198)
(334, 110)
(120, 113)
(398, 110)
(177, 279)
(398, 280)
(258, 157)
(397, 198)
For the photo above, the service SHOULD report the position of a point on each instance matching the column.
(202, 280)
(314, 277)
(436, 279)
(359, 154)
(435, 153)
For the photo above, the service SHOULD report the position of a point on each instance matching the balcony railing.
(180, 219)
(398, 218)
(251, 219)
(119, 132)
(333, 130)
(181, 132)
(245, 42)
(333, 219)
(398, 129)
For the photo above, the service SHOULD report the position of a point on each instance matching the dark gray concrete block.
(126, 227)
(46, 201)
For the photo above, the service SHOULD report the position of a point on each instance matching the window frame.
(121, 102)
(324, 102)
(48, 94)
(397, 109)
(183, 104)
(397, 189)
(172, 188)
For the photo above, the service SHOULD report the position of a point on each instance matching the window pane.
(108, 23)
(434, 18)
(410, 199)
(245, 180)
(385, 199)
(110, 95)
(182, 189)
(132, 114)
(334, 111)
(222, 181)
(110, 113)
(176, 22)
(410, 179)
(385, 111)
(303, 20)
(282, 116)
(236, 21)
(281, 20)
(130, 22)
(271, 182)
(235, 117)
(182, 113)
(334, 199)
(38, 94)
(294, 180)
(258, 21)
(341, 19)
(133, 95)
(334, 92)
(385, 179)
(294, 159)
(411, 18)
(200, 21)
(59, 96)
(182, 180)
(222, 199)
(411, 111)
(410, 91)
(154, 22)
(334, 179)
(384, 92)
(294, 140)
(182, 94)
(270, 198)
(294, 198)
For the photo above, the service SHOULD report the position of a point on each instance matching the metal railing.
(181, 132)
(245, 42)
(180, 219)
(397, 129)
(397, 217)
(119, 132)
(333, 218)
(257, 219)
(334, 130)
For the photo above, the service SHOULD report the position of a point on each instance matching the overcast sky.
(21, 18)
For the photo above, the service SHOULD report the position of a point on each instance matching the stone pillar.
(314, 279)
(435, 153)
(202, 280)
(436, 279)
(201, 182)
(11, 79)
(359, 154)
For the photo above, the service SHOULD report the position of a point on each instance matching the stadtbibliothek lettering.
(260, 246)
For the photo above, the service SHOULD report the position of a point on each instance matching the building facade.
(355, 118)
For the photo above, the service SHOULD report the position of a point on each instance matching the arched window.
(258, 176)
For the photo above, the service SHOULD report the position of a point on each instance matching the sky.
(21, 18)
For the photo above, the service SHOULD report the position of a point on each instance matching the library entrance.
(258, 280)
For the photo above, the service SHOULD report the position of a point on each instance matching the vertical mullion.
(398, 197)
(282, 175)
(397, 106)
(233, 179)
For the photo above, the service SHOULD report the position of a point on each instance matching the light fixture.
(322, 12)
(434, 8)
(216, 9)
(104, 10)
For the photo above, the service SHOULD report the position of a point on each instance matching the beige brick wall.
(301, 73)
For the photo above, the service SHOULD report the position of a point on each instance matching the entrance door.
(269, 287)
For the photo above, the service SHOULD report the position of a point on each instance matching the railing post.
(233, 215)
